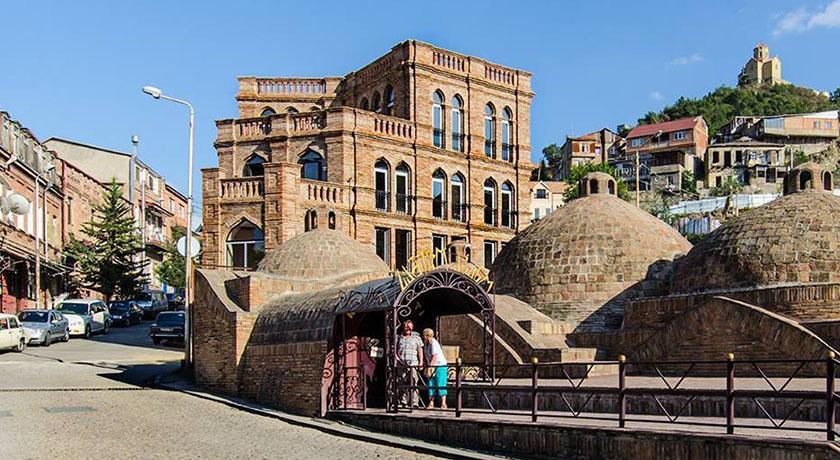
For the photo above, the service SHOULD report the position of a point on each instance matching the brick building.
(808, 132)
(596, 147)
(665, 151)
(22, 158)
(165, 207)
(420, 148)
(761, 166)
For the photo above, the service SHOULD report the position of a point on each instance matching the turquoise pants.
(437, 382)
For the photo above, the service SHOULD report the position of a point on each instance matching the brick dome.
(322, 256)
(792, 240)
(583, 260)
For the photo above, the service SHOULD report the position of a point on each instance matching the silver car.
(45, 326)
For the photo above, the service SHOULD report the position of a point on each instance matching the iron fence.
(493, 385)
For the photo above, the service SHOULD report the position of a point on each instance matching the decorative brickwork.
(793, 240)
(581, 264)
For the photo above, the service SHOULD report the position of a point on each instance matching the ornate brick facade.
(303, 154)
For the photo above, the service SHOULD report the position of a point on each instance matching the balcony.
(438, 208)
(241, 188)
(459, 212)
(458, 142)
(403, 205)
(490, 216)
(490, 148)
(383, 201)
(437, 138)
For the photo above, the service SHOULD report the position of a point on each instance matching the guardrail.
(500, 380)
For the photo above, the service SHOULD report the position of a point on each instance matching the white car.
(85, 316)
(12, 335)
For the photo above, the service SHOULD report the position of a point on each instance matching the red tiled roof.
(665, 127)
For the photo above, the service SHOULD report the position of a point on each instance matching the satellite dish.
(195, 246)
(17, 204)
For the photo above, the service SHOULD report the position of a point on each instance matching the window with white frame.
(437, 119)
(457, 120)
(383, 244)
(380, 173)
(245, 246)
(679, 135)
(489, 130)
(438, 194)
(507, 149)
(401, 189)
(458, 198)
(490, 248)
(507, 205)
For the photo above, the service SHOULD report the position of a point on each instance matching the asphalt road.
(90, 399)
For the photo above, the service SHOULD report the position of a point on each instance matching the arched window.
(253, 167)
(458, 194)
(292, 110)
(267, 112)
(375, 102)
(507, 205)
(245, 246)
(490, 202)
(437, 119)
(381, 173)
(331, 220)
(438, 194)
(364, 104)
(593, 187)
(827, 185)
(507, 149)
(611, 187)
(312, 166)
(389, 100)
(489, 130)
(402, 187)
(457, 117)
(310, 220)
(314, 108)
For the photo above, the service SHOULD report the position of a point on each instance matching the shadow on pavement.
(142, 375)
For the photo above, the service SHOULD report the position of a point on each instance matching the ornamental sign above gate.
(427, 261)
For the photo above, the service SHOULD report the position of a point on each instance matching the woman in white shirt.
(436, 367)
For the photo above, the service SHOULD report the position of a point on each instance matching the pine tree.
(107, 262)
(171, 271)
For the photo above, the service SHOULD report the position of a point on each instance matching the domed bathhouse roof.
(323, 257)
(581, 262)
(792, 240)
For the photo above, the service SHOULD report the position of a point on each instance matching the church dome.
(323, 256)
(583, 260)
(792, 240)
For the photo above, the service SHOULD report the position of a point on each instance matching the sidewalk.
(175, 383)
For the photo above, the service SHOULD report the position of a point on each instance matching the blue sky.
(74, 69)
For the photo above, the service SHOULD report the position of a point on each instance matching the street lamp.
(158, 94)
(47, 169)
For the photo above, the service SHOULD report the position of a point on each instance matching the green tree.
(579, 171)
(107, 261)
(553, 154)
(729, 186)
(689, 183)
(171, 270)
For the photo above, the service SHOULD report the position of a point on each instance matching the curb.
(343, 430)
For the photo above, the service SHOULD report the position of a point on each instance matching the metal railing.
(438, 138)
(507, 152)
(459, 212)
(490, 148)
(492, 386)
(383, 201)
(458, 142)
(403, 205)
(490, 216)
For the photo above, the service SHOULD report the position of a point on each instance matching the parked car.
(152, 303)
(168, 325)
(85, 316)
(12, 336)
(45, 326)
(125, 312)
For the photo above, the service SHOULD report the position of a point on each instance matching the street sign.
(195, 246)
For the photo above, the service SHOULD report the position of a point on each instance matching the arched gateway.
(369, 318)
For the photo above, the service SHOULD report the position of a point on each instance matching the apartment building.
(759, 166)
(421, 148)
(158, 206)
(665, 150)
(546, 196)
(595, 147)
(808, 132)
(32, 236)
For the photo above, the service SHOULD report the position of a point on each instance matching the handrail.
(488, 380)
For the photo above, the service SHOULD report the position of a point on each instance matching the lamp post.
(37, 213)
(158, 94)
